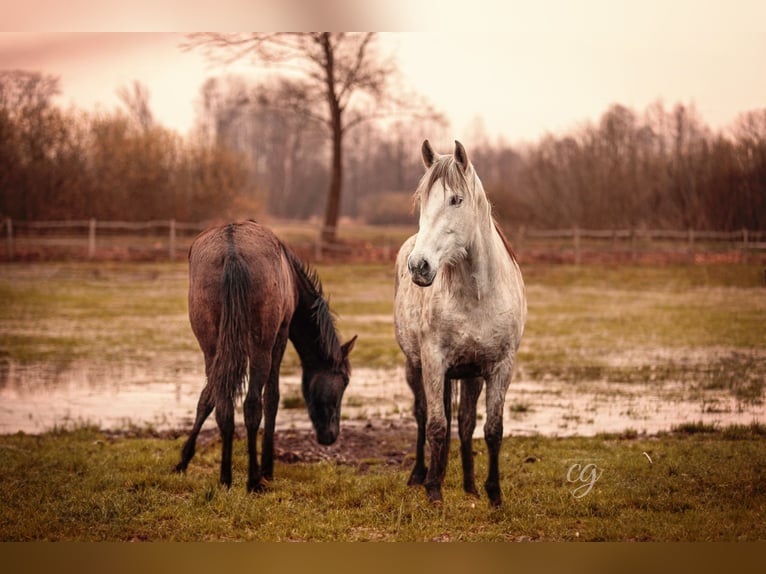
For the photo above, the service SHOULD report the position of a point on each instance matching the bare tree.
(344, 70)
(136, 100)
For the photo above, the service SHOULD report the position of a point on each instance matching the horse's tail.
(228, 372)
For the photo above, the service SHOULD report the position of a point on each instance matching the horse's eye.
(455, 200)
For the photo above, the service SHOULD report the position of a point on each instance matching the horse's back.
(251, 241)
(260, 252)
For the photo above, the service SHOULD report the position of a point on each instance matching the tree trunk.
(332, 210)
(329, 231)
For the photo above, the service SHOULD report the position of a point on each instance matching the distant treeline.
(663, 169)
(252, 155)
(67, 164)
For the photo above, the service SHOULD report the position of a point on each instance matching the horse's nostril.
(419, 267)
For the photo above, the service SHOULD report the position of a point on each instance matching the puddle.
(35, 398)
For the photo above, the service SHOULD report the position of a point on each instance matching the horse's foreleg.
(271, 406)
(415, 381)
(438, 440)
(497, 386)
(437, 431)
(470, 389)
(204, 408)
(224, 416)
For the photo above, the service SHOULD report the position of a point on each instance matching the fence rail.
(74, 231)
(91, 237)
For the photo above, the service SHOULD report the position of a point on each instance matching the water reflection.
(36, 398)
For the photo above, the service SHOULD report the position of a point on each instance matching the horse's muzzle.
(421, 272)
(328, 437)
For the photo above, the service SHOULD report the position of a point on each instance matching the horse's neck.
(487, 261)
(306, 332)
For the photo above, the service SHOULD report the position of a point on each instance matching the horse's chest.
(472, 337)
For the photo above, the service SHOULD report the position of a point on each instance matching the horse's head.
(447, 196)
(323, 389)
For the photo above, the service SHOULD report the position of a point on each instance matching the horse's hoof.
(472, 492)
(493, 492)
(434, 495)
(418, 477)
(260, 486)
(180, 468)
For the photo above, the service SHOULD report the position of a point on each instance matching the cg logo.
(586, 476)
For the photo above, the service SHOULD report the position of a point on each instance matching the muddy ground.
(361, 444)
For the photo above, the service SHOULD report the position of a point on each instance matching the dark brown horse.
(249, 294)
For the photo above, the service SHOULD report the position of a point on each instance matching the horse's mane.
(310, 286)
(445, 167)
(507, 243)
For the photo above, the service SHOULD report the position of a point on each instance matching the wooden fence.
(75, 233)
(638, 240)
(166, 239)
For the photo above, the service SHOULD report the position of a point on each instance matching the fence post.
(577, 245)
(633, 253)
(745, 240)
(9, 237)
(691, 243)
(172, 242)
(520, 239)
(91, 238)
(318, 246)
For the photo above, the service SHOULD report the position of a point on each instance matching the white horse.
(459, 314)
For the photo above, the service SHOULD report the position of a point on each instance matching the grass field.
(85, 485)
(702, 325)
(586, 321)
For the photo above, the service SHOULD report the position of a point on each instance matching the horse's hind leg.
(224, 416)
(470, 389)
(415, 381)
(253, 410)
(204, 408)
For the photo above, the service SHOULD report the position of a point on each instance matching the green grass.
(57, 313)
(644, 323)
(701, 324)
(84, 485)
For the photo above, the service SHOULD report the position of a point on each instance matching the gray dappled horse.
(459, 314)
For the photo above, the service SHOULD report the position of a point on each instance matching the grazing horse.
(249, 294)
(459, 315)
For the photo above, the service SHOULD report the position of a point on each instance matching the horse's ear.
(348, 347)
(461, 157)
(428, 154)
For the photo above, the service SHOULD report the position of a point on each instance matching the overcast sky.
(534, 68)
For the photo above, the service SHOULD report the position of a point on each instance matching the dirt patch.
(360, 444)
(388, 443)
